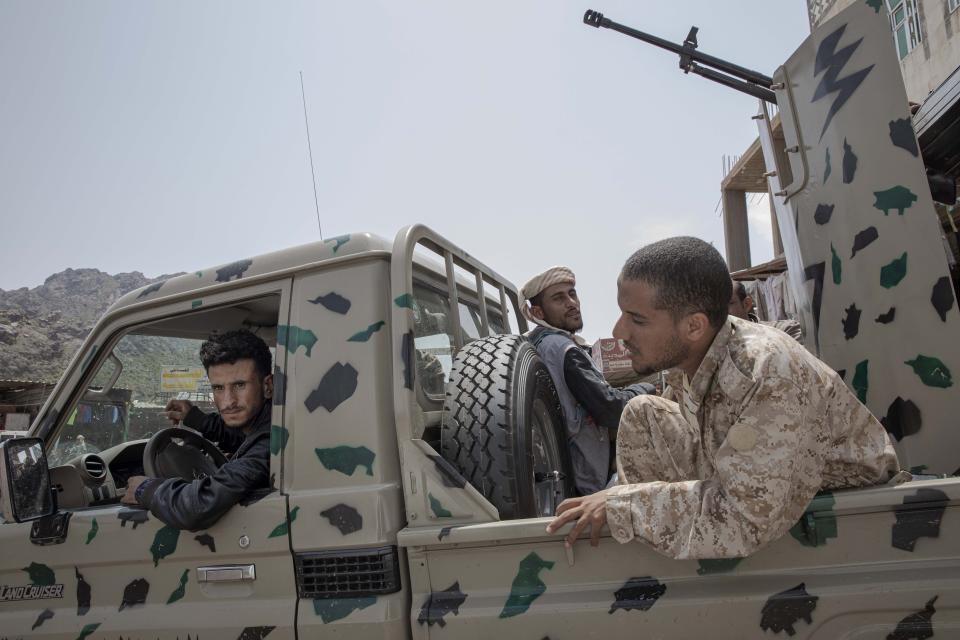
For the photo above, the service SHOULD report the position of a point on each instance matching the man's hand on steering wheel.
(130, 496)
(177, 410)
(179, 452)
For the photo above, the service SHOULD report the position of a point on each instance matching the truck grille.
(348, 573)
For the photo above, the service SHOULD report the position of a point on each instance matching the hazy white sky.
(169, 136)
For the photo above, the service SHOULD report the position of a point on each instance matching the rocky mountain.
(41, 328)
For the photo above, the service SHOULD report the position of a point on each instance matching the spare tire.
(503, 427)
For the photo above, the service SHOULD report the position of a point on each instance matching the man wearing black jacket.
(238, 364)
(591, 407)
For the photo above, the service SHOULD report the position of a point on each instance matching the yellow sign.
(176, 379)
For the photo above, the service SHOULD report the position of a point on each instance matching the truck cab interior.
(99, 445)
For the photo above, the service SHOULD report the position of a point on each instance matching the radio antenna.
(313, 173)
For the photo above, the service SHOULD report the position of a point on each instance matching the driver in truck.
(591, 406)
(238, 364)
(750, 428)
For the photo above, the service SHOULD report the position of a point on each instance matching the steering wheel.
(177, 452)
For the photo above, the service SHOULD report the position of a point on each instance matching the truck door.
(342, 475)
(116, 571)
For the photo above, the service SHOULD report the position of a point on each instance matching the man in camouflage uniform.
(750, 428)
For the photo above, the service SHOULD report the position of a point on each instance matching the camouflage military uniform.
(727, 462)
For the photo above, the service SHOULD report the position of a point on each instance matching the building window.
(905, 21)
(953, 5)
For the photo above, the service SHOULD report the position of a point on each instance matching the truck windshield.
(154, 370)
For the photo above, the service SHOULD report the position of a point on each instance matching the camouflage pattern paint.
(333, 609)
(861, 380)
(942, 297)
(84, 594)
(336, 386)
(843, 88)
(207, 540)
(902, 135)
(345, 518)
(147, 290)
(863, 240)
(94, 528)
(440, 604)
(292, 338)
(638, 594)
(45, 615)
(836, 267)
(718, 565)
(283, 528)
(278, 439)
(920, 516)
(40, 574)
(346, 459)
(338, 242)
(332, 301)
(850, 163)
(404, 300)
(254, 633)
(897, 198)
(164, 543)
(366, 334)
(135, 593)
(527, 585)
(181, 589)
(916, 626)
(823, 213)
(851, 322)
(931, 371)
(233, 270)
(783, 610)
(893, 273)
(438, 510)
(903, 419)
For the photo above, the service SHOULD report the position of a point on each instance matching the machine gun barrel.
(692, 61)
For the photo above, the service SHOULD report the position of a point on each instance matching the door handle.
(227, 573)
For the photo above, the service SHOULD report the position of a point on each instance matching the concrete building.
(926, 35)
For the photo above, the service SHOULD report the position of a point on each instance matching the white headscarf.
(538, 284)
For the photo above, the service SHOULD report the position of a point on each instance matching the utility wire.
(313, 172)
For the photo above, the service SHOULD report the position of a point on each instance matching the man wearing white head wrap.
(591, 407)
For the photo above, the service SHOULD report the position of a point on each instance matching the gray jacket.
(591, 407)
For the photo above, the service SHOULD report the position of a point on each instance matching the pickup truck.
(416, 455)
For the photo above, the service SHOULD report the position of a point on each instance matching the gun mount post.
(726, 73)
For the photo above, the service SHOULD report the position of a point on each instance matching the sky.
(169, 136)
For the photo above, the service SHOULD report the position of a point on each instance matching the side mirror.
(24, 481)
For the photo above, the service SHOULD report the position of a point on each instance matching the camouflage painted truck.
(416, 451)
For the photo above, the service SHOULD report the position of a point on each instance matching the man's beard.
(675, 353)
(566, 323)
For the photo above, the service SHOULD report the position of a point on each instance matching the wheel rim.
(548, 482)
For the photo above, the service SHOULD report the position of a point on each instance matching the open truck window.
(128, 388)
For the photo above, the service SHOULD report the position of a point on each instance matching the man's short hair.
(229, 347)
(689, 276)
(740, 289)
(537, 300)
